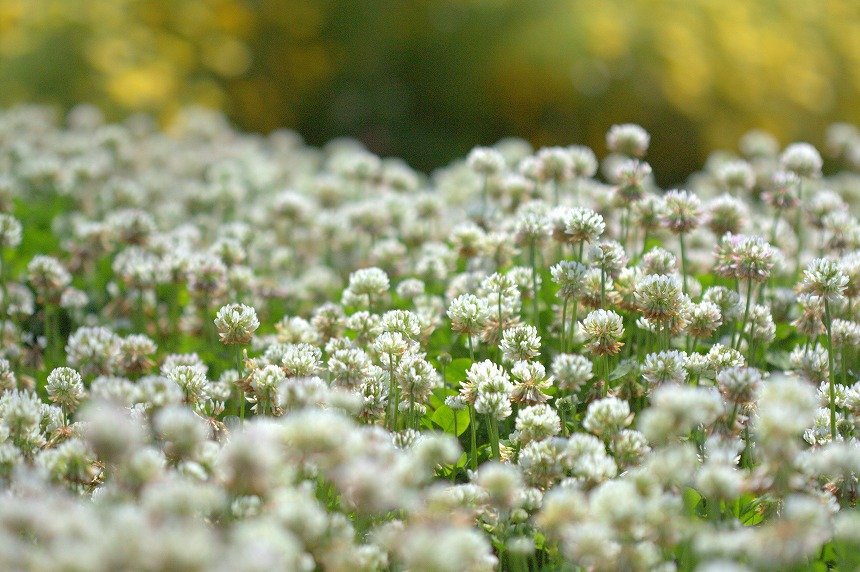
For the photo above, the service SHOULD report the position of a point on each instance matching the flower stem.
(683, 261)
(474, 435)
(493, 432)
(563, 324)
(241, 401)
(533, 256)
(746, 314)
(827, 324)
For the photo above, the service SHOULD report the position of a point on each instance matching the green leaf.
(444, 418)
(456, 371)
(623, 369)
(780, 360)
(691, 501)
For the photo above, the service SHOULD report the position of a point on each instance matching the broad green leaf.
(780, 360)
(444, 418)
(623, 369)
(456, 371)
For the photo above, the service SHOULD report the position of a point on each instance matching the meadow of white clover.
(228, 351)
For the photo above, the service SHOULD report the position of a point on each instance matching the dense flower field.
(224, 351)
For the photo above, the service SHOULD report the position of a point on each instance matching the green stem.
(493, 432)
(602, 288)
(740, 331)
(776, 218)
(572, 335)
(533, 256)
(563, 324)
(683, 261)
(241, 401)
(474, 435)
(797, 230)
(827, 324)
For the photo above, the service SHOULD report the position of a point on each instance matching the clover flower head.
(468, 314)
(824, 278)
(236, 323)
(739, 384)
(658, 260)
(569, 276)
(94, 350)
(583, 225)
(603, 330)
(537, 422)
(486, 161)
(520, 343)
(554, 164)
(608, 255)
(802, 159)
(659, 297)
(702, 318)
(736, 176)
(631, 176)
(192, 381)
(681, 212)
(583, 161)
(665, 367)
(721, 357)
(369, 282)
(744, 257)
(607, 416)
(48, 277)
(628, 139)
(10, 231)
(571, 371)
(530, 382)
(726, 214)
(65, 387)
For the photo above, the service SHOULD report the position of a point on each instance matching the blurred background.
(427, 80)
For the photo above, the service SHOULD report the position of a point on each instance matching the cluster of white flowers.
(243, 353)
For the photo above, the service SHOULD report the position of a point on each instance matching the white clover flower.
(367, 284)
(665, 367)
(681, 211)
(702, 318)
(48, 277)
(65, 387)
(658, 261)
(677, 409)
(468, 314)
(721, 357)
(628, 139)
(739, 384)
(586, 458)
(824, 278)
(416, 378)
(802, 159)
(402, 321)
(192, 381)
(659, 297)
(349, 367)
(726, 214)
(10, 231)
(486, 161)
(571, 371)
(583, 160)
(603, 330)
(569, 276)
(94, 350)
(520, 343)
(301, 360)
(236, 323)
(537, 422)
(607, 416)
